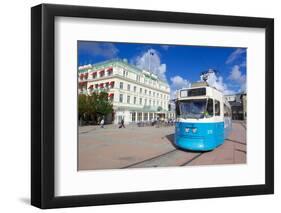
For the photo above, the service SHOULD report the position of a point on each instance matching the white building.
(137, 95)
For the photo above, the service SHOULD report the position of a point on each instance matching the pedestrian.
(102, 123)
(122, 124)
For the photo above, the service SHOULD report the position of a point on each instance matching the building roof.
(112, 62)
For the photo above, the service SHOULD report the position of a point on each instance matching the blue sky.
(179, 65)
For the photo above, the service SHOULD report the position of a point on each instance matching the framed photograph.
(140, 106)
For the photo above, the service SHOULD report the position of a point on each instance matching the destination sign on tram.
(193, 92)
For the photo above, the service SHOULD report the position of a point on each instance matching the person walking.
(102, 123)
(122, 124)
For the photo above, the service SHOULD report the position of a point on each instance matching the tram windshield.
(195, 108)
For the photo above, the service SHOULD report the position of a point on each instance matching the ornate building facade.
(137, 95)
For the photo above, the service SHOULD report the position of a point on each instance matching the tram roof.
(210, 92)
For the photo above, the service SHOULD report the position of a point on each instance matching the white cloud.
(217, 82)
(150, 60)
(234, 55)
(178, 83)
(237, 77)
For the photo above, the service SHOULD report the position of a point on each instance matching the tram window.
(177, 109)
(217, 108)
(210, 108)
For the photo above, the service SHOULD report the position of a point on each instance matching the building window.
(102, 73)
(121, 98)
(109, 73)
(145, 116)
(226, 111)
(153, 103)
(128, 99)
(150, 116)
(153, 94)
(140, 101)
(133, 116)
(94, 75)
(139, 116)
(145, 102)
(86, 76)
(149, 102)
(121, 85)
(124, 72)
(128, 87)
(135, 100)
(135, 88)
(111, 97)
(145, 91)
(149, 93)
(112, 84)
(140, 90)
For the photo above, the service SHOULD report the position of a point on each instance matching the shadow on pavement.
(172, 141)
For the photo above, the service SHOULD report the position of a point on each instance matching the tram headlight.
(187, 130)
(194, 130)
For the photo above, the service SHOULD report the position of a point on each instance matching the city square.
(151, 146)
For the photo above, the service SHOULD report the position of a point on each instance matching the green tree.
(82, 104)
(103, 105)
(96, 105)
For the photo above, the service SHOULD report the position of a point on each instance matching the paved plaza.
(139, 147)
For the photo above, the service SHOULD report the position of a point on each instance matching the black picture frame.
(43, 105)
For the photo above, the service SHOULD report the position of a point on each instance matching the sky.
(179, 65)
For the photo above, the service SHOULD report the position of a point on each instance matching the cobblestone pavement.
(138, 147)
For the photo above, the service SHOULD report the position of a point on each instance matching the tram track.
(174, 157)
(191, 160)
(237, 142)
(149, 159)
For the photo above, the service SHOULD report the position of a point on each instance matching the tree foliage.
(96, 105)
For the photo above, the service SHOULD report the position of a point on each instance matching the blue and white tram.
(203, 118)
